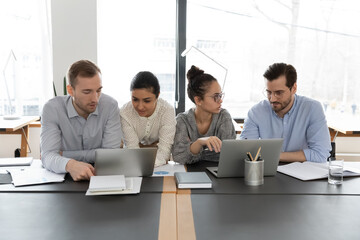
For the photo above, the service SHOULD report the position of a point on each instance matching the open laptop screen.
(122, 161)
(233, 153)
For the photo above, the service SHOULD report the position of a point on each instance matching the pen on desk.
(257, 154)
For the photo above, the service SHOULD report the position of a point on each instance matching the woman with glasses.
(200, 130)
(147, 120)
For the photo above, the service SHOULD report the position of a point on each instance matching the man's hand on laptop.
(79, 170)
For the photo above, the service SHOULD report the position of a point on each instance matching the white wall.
(74, 35)
(348, 148)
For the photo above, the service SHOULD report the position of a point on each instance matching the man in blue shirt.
(299, 120)
(74, 126)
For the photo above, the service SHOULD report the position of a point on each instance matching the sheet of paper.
(133, 185)
(32, 176)
(36, 163)
(107, 183)
(168, 169)
(311, 171)
(305, 171)
(21, 161)
(352, 167)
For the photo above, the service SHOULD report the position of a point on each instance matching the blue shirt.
(64, 130)
(304, 127)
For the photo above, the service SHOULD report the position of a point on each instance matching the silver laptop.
(123, 161)
(233, 153)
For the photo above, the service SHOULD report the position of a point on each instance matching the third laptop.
(233, 153)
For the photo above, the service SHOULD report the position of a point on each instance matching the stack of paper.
(111, 185)
(310, 171)
(31, 176)
(21, 161)
(107, 183)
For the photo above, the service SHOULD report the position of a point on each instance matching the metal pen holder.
(254, 172)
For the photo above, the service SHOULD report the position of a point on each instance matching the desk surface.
(76, 216)
(13, 125)
(293, 217)
(278, 184)
(282, 208)
(148, 185)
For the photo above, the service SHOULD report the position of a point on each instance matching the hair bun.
(193, 72)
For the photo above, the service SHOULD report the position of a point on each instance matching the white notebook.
(107, 183)
(133, 185)
(310, 171)
(192, 180)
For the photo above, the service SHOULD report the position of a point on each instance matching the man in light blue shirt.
(299, 120)
(73, 126)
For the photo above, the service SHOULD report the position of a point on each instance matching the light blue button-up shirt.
(64, 130)
(304, 127)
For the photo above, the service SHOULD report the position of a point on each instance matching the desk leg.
(24, 141)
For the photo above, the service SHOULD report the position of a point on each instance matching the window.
(25, 61)
(320, 38)
(136, 36)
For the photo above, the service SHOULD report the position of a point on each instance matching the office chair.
(332, 152)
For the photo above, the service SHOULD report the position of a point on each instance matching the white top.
(160, 126)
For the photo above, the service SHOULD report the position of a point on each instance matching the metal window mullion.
(180, 40)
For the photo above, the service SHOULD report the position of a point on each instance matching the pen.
(250, 156)
(257, 154)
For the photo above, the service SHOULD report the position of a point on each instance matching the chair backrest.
(332, 152)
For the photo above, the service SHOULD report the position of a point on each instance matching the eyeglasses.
(277, 94)
(217, 97)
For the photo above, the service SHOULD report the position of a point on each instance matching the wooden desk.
(18, 126)
(347, 127)
(343, 125)
(238, 127)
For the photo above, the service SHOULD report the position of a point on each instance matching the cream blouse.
(160, 126)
